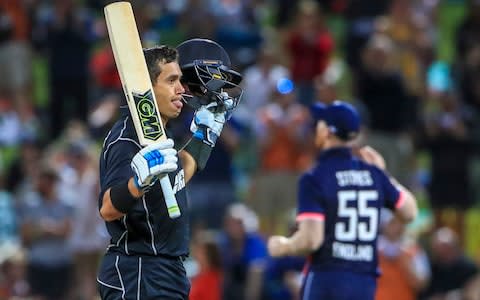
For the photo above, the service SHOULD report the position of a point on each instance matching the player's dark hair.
(156, 57)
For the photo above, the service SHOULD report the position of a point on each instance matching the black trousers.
(142, 277)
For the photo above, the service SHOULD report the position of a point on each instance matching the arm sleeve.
(310, 204)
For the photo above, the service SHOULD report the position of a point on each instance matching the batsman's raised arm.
(212, 91)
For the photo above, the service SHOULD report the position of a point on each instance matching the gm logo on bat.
(148, 116)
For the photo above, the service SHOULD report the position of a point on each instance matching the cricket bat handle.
(172, 205)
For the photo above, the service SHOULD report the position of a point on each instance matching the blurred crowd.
(409, 66)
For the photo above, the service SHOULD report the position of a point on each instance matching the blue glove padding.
(208, 121)
(153, 162)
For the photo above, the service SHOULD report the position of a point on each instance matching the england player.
(339, 203)
(147, 248)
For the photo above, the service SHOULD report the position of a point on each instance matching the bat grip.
(172, 205)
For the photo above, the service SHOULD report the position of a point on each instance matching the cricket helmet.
(207, 72)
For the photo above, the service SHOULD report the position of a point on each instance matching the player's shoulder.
(122, 129)
(312, 176)
(121, 132)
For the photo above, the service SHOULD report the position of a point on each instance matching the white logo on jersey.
(354, 177)
(352, 252)
(179, 181)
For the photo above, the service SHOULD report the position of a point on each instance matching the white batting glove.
(153, 162)
(208, 121)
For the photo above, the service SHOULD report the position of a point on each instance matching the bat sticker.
(149, 119)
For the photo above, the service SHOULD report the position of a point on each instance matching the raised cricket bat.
(137, 87)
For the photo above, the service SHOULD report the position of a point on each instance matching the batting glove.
(208, 121)
(153, 162)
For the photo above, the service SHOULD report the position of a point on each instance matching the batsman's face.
(168, 91)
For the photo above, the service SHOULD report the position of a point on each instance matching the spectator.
(259, 80)
(104, 71)
(468, 56)
(10, 126)
(283, 278)
(310, 46)
(360, 18)
(88, 239)
(244, 254)
(65, 32)
(328, 87)
(15, 53)
(13, 283)
(45, 228)
(12, 262)
(453, 273)
(404, 266)
(207, 283)
(391, 111)
(283, 275)
(237, 29)
(22, 169)
(325, 88)
(282, 148)
(467, 76)
(448, 142)
(17, 123)
(9, 233)
(404, 28)
(197, 20)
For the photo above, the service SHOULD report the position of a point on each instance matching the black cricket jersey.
(348, 194)
(146, 229)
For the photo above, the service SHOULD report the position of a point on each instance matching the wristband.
(121, 198)
(199, 151)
